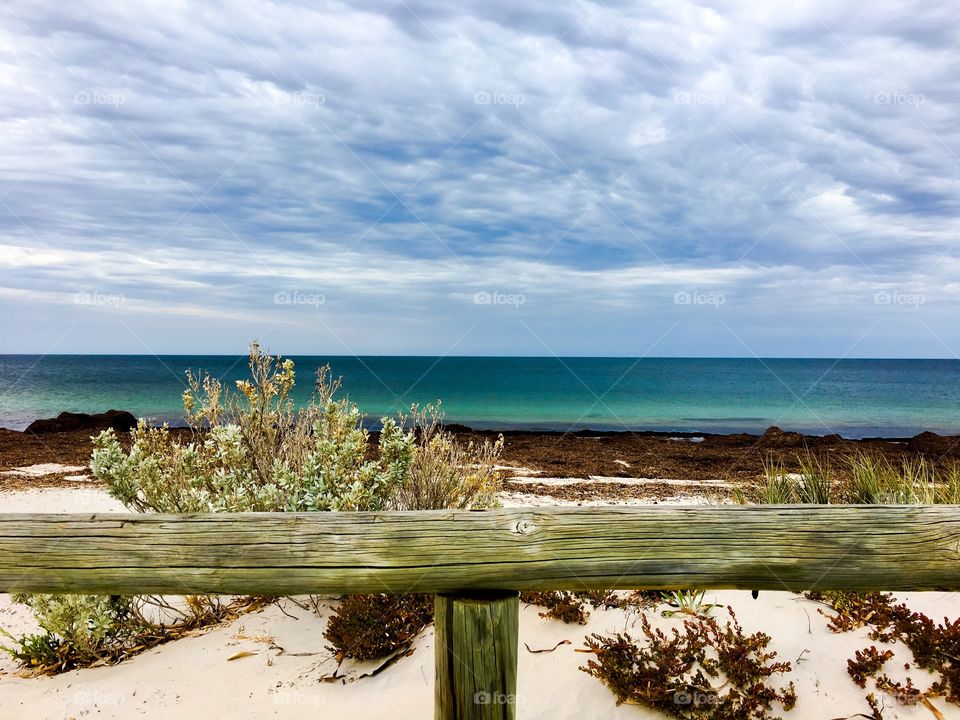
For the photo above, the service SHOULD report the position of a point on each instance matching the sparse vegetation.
(574, 607)
(702, 671)
(861, 479)
(870, 480)
(935, 647)
(253, 450)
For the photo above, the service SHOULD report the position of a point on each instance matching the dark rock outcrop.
(774, 436)
(119, 420)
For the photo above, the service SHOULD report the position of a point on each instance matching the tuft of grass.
(780, 488)
(687, 602)
(815, 486)
(862, 479)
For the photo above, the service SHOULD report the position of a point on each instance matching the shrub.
(253, 451)
(934, 646)
(75, 629)
(673, 673)
(80, 630)
(564, 606)
(444, 472)
(571, 607)
(369, 627)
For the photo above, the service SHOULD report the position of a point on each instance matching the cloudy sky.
(729, 178)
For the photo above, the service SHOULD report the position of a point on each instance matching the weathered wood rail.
(477, 561)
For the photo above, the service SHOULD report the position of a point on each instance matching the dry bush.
(573, 607)
(934, 646)
(369, 627)
(445, 473)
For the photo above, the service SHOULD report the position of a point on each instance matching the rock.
(776, 437)
(457, 428)
(119, 420)
(931, 444)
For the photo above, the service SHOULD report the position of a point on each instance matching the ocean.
(854, 398)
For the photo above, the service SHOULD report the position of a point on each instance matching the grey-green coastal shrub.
(253, 451)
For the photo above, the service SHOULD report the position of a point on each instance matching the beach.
(586, 360)
(283, 667)
(601, 464)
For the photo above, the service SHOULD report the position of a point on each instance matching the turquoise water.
(854, 398)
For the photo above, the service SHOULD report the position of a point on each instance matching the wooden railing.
(476, 562)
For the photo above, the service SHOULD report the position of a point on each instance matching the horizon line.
(483, 357)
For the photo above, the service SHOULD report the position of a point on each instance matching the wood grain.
(754, 547)
(476, 656)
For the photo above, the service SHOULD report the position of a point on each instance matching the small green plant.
(687, 602)
(80, 630)
(75, 629)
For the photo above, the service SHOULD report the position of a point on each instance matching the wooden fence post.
(476, 655)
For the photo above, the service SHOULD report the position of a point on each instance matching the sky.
(480, 178)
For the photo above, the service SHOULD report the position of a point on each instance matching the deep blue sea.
(855, 398)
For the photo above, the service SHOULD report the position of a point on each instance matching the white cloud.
(400, 157)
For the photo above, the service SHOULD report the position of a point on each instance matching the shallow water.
(854, 398)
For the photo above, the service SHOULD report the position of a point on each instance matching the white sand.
(192, 678)
(41, 469)
(612, 480)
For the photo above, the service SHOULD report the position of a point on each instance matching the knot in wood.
(523, 526)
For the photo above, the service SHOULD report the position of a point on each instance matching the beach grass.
(859, 479)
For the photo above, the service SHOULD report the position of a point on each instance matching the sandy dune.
(193, 677)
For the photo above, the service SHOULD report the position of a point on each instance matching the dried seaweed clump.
(572, 607)
(934, 646)
(704, 671)
(370, 627)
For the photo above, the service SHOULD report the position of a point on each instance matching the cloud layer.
(480, 178)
